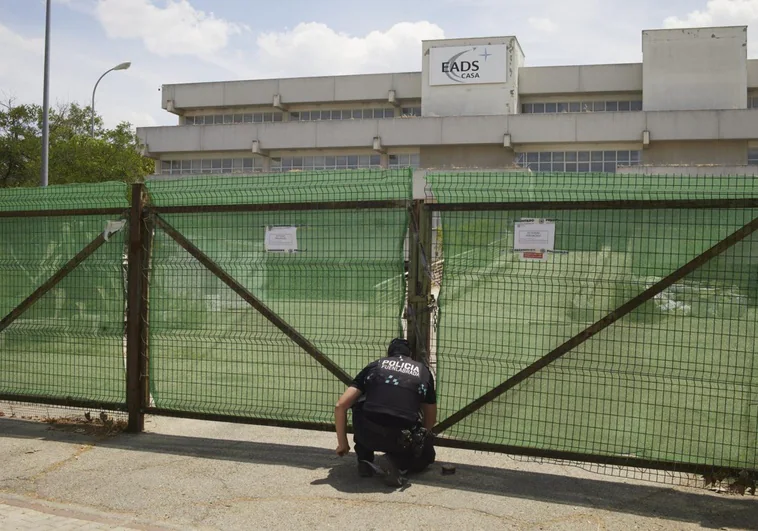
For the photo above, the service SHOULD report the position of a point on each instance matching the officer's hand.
(343, 449)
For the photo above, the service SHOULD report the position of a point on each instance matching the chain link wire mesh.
(69, 344)
(674, 380)
(341, 288)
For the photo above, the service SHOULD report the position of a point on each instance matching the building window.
(342, 114)
(404, 160)
(578, 161)
(327, 162)
(410, 111)
(752, 102)
(752, 156)
(239, 118)
(581, 106)
(211, 166)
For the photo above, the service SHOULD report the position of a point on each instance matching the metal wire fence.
(671, 381)
(606, 319)
(62, 293)
(331, 275)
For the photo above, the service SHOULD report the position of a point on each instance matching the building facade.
(692, 101)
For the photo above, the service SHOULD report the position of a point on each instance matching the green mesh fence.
(494, 186)
(342, 289)
(288, 187)
(675, 380)
(69, 344)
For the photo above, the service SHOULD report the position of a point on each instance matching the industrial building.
(693, 100)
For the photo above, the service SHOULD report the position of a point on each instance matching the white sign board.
(468, 65)
(281, 239)
(533, 238)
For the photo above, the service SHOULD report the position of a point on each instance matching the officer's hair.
(399, 347)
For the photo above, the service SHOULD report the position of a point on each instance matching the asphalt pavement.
(187, 474)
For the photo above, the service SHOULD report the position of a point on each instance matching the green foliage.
(75, 156)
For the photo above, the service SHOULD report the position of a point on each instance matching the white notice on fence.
(281, 239)
(533, 238)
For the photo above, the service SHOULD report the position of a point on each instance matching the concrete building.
(692, 100)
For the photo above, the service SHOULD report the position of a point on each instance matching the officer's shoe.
(393, 476)
(365, 470)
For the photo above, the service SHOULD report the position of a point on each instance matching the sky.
(179, 41)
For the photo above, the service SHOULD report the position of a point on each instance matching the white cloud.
(542, 24)
(21, 51)
(124, 96)
(315, 49)
(10, 40)
(176, 29)
(718, 13)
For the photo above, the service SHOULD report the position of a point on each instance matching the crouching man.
(394, 407)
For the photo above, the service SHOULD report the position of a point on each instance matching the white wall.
(371, 87)
(694, 69)
(471, 99)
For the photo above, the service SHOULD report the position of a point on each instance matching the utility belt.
(413, 439)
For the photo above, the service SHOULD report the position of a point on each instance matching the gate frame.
(151, 215)
(74, 262)
(144, 218)
(613, 316)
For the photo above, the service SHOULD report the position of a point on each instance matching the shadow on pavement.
(645, 500)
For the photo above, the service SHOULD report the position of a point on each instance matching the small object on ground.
(88, 416)
(448, 470)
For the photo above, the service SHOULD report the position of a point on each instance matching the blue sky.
(170, 41)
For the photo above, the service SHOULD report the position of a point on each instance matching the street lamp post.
(46, 101)
(122, 66)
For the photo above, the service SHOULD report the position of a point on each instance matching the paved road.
(23, 513)
(185, 474)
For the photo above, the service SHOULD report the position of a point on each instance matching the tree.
(75, 156)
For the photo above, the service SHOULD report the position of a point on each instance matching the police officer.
(394, 407)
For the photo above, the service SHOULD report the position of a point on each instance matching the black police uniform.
(393, 389)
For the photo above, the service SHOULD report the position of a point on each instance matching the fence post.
(136, 311)
(419, 281)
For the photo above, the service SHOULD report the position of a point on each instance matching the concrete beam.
(585, 128)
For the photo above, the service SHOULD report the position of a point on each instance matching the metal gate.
(630, 341)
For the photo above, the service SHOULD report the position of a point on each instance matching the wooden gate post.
(136, 351)
(420, 281)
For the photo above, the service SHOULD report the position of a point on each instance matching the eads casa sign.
(468, 65)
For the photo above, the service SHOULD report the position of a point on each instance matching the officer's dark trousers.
(382, 434)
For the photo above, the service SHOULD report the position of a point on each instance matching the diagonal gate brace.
(59, 275)
(253, 301)
(600, 325)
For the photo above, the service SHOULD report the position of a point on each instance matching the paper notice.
(281, 239)
(533, 238)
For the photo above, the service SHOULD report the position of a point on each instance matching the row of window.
(211, 166)
(329, 162)
(351, 114)
(341, 114)
(240, 118)
(300, 116)
(255, 164)
(375, 113)
(337, 162)
(542, 161)
(578, 161)
(581, 106)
